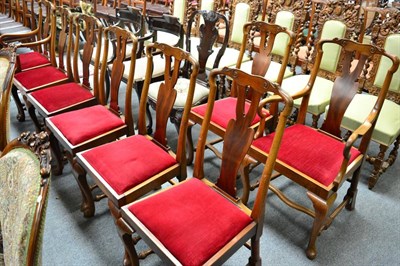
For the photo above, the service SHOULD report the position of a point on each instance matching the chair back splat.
(173, 222)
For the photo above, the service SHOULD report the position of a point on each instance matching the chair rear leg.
(57, 155)
(32, 114)
(394, 151)
(125, 233)
(255, 259)
(189, 144)
(18, 103)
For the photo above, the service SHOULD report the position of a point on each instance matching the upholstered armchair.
(24, 185)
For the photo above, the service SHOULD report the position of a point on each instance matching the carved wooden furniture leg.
(378, 163)
(315, 119)
(18, 103)
(32, 114)
(87, 205)
(124, 231)
(393, 153)
(321, 210)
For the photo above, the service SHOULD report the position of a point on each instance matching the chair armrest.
(15, 36)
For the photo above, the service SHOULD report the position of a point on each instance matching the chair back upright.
(174, 58)
(121, 37)
(7, 70)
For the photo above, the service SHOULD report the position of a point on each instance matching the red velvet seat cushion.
(61, 96)
(32, 59)
(191, 220)
(83, 124)
(224, 110)
(39, 76)
(123, 164)
(315, 154)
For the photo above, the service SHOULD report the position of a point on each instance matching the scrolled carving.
(39, 143)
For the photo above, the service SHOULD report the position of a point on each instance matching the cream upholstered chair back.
(24, 184)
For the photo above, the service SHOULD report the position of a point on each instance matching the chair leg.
(393, 153)
(87, 206)
(56, 154)
(255, 259)
(321, 208)
(18, 103)
(32, 114)
(315, 119)
(378, 163)
(125, 233)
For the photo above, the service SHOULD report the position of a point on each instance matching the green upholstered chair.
(24, 184)
(319, 160)
(7, 70)
(387, 128)
(333, 21)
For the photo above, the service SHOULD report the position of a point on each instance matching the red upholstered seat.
(191, 220)
(32, 59)
(61, 96)
(39, 76)
(133, 166)
(82, 125)
(224, 110)
(317, 155)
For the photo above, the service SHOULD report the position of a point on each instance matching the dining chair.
(92, 126)
(319, 160)
(57, 73)
(25, 168)
(78, 93)
(224, 108)
(387, 130)
(151, 156)
(199, 222)
(335, 19)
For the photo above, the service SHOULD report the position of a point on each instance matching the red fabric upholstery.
(317, 155)
(61, 96)
(32, 59)
(191, 220)
(224, 110)
(123, 164)
(81, 125)
(39, 76)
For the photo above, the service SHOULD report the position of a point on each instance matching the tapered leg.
(255, 258)
(87, 206)
(321, 210)
(18, 103)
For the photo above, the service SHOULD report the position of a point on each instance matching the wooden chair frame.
(225, 186)
(324, 196)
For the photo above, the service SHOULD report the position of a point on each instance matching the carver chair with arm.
(89, 127)
(199, 222)
(319, 160)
